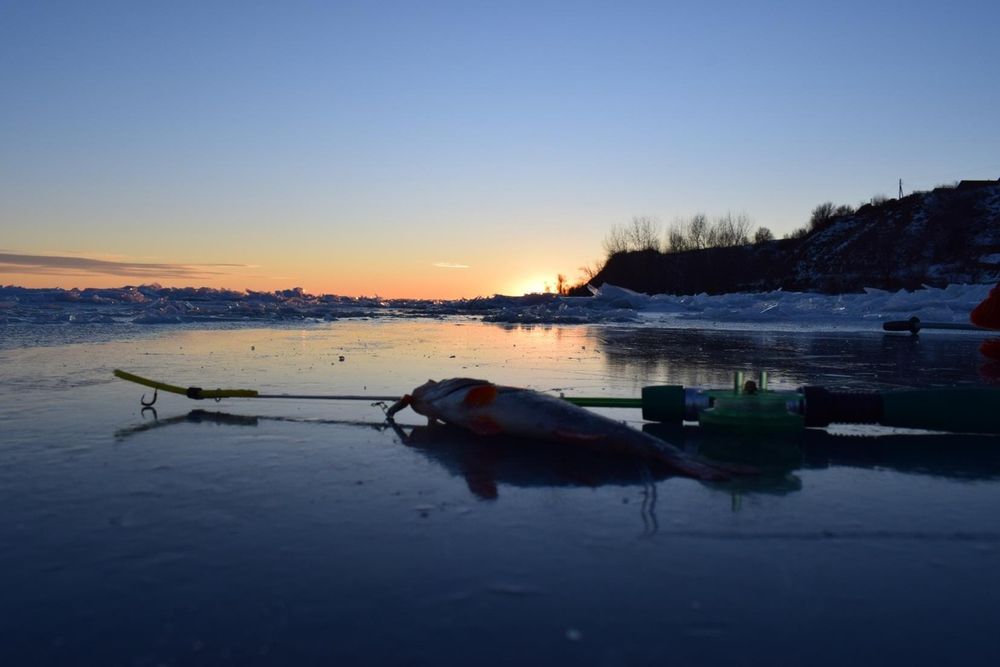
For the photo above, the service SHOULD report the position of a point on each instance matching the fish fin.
(480, 395)
(484, 425)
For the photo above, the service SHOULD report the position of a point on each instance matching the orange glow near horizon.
(434, 284)
(534, 285)
(396, 268)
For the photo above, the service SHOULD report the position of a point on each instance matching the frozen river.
(280, 532)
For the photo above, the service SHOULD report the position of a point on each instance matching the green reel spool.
(750, 407)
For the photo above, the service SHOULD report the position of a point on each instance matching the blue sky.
(363, 147)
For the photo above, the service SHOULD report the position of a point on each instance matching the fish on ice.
(489, 409)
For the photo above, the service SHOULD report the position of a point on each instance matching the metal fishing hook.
(150, 404)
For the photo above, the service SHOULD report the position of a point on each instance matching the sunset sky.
(449, 149)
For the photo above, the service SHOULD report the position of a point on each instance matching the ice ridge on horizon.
(153, 304)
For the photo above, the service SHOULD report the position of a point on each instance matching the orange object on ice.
(987, 314)
(991, 348)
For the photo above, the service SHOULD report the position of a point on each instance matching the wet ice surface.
(280, 532)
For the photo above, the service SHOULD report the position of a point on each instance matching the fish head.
(437, 400)
(423, 396)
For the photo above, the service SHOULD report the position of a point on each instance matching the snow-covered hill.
(945, 236)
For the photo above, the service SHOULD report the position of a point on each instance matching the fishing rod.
(197, 393)
(748, 406)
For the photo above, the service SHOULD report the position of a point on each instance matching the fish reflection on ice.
(487, 463)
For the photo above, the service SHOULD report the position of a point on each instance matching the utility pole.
(900, 188)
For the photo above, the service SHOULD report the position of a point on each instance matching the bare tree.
(742, 226)
(591, 270)
(729, 231)
(644, 233)
(763, 235)
(821, 216)
(697, 231)
(677, 240)
(616, 241)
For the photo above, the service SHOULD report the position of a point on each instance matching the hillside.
(935, 238)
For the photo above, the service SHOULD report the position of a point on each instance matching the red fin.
(481, 395)
(484, 425)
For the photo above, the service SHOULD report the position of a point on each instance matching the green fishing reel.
(751, 406)
(748, 406)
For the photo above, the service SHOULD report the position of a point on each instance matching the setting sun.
(534, 285)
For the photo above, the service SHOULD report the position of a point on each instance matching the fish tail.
(698, 470)
(690, 465)
(709, 471)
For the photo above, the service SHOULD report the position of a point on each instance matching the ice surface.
(280, 532)
(153, 304)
